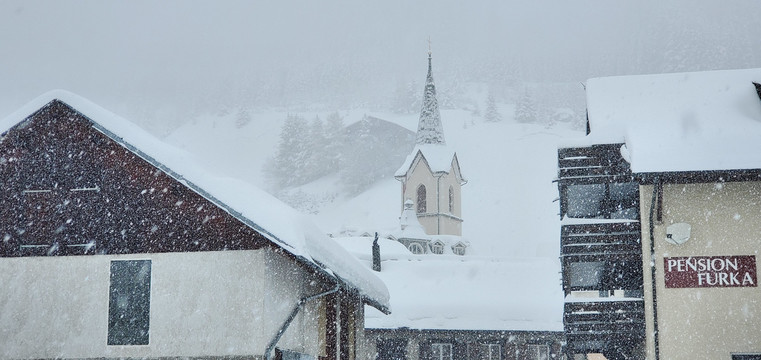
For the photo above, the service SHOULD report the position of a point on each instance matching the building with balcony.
(660, 218)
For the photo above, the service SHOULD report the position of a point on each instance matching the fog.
(168, 61)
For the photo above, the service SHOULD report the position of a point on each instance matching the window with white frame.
(416, 248)
(437, 247)
(491, 352)
(538, 352)
(441, 351)
(458, 249)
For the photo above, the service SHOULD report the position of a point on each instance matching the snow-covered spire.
(429, 128)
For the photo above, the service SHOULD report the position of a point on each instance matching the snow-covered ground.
(509, 203)
(510, 277)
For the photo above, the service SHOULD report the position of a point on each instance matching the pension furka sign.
(710, 271)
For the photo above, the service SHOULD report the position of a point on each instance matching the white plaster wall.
(704, 323)
(437, 199)
(281, 296)
(204, 303)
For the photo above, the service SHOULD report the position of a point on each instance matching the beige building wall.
(224, 303)
(703, 323)
(437, 220)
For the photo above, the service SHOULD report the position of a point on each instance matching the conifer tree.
(242, 118)
(492, 115)
(525, 109)
(334, 139)
(316, 145)
(287, 167)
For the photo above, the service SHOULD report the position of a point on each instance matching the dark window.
(538, 352)
(392, 349)
(490, 352)
(586, 274)
(441, 351)
(291, 355)
(747, 357)
(608, 201)
(606, 275)
(129, 302)
(421, 198)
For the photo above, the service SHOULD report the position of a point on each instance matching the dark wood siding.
(67, 188)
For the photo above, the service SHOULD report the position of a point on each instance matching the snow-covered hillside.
(508, 202)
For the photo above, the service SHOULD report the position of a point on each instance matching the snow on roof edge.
(140, 142)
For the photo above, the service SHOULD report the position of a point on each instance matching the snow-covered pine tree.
(525, 109)
(316, 166)
(334, 140)
(491, 114)
(242, 118)
(287, 167)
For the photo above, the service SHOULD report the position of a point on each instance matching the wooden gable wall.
(66, 188)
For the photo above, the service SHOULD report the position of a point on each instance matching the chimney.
(376, 254)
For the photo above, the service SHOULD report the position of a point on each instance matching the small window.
(129, 302)
(451, 200)
(437, 247)
(603, 201)
(441, 351)
(458, 249)
(746, 356)
(421, 199)
(416, 248)
(586, 274)
(538, 352)
(392, 349)
(491, 352)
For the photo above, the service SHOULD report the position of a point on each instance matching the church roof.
(439, 158)
(429, 129)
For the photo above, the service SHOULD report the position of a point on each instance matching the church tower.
(430, 176)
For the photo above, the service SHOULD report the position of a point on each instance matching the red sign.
(710, 271)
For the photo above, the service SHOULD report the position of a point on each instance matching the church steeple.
(429, 128)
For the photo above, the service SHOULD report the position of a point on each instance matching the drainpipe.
(268, 353)
(656, 185)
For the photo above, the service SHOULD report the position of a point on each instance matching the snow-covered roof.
(439, 158)
(679, 122)
(278, 222)
(450, 292)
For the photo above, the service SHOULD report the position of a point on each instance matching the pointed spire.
(429, 128)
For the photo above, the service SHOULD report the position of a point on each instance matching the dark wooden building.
(118, 246)
(601, 253)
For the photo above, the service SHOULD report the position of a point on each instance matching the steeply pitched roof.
(276, 221)
(429, 129)
(439, 158)
(698, 121)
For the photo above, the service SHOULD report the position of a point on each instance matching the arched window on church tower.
(451, 199)
(421, 197)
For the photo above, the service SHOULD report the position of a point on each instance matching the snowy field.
(509, 203)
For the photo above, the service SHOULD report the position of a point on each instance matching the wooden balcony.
(604, 326)
(593, 164)
(601, 241)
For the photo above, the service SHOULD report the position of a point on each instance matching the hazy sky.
(140, 57)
